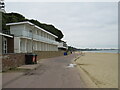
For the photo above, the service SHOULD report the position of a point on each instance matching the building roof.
(6, 35)
(62, 41)
(27, 22)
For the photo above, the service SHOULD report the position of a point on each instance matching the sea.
(105, 51)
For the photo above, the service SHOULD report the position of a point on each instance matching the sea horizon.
(104, 51)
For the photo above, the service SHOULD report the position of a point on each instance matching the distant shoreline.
(103, 51)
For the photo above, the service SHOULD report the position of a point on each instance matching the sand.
(101, 68)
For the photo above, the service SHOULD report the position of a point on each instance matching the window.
(30, 33)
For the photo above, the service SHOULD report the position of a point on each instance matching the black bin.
(30, 58)
(35, 62)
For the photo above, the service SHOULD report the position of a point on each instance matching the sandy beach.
(100, 68)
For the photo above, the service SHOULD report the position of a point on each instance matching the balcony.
(29, 35)
(26, 34)
(62, 45)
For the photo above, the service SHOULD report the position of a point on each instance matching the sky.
(84, 24)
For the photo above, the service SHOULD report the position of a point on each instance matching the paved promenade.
(51, 73)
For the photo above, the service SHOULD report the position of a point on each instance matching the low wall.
(12, 60)
(17, 59)
(48, 54)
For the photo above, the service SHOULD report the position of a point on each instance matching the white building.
(29, 37)
(62, 45)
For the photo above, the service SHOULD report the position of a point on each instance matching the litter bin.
(35, 59)
(30, 58)
(65, 53)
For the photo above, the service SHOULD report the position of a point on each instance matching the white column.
(25, 45)
(40, 46)
(44, 46)
(50, 48)
(34, 43)
(28, 45)
(20, 45)
(31, 46)
(47, 47)
(35, 46)
(54, 47)
(16, 44)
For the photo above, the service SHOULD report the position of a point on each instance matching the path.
(52, 73)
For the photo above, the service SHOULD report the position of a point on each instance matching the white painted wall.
(35, 45)
(16, 44)
(24, 44)
(29, 45)
(60, 44)
(17, 30)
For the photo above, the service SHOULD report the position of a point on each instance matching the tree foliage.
(16, 17)
(70, 48)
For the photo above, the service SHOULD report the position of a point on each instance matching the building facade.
(7, 43)
(29, 37)
(62, 46)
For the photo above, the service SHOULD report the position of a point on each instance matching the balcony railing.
(38, 38)
(27, 34)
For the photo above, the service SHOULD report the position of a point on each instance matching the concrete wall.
(18, 59)
(12, 61)
(48, 54)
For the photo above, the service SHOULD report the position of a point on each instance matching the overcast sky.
(84, 24)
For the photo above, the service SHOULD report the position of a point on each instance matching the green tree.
(16, 17)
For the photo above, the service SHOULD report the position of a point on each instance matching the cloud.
(83, 24)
